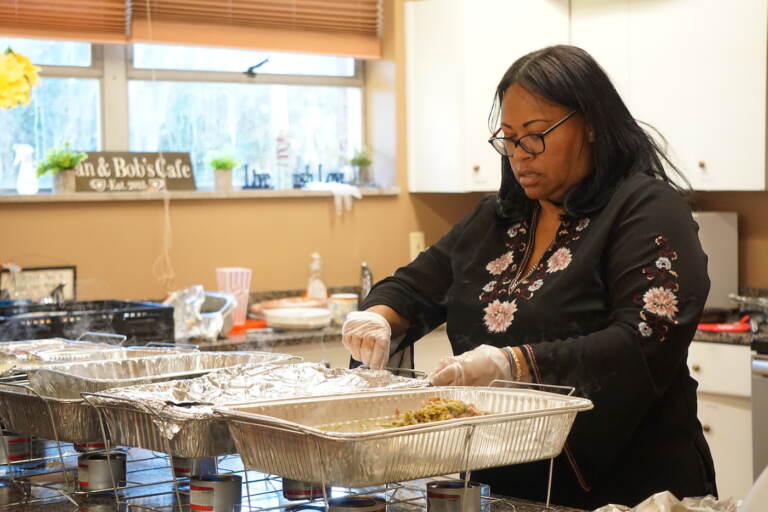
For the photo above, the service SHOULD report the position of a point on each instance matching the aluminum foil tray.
(178, 417)
(110, 353)
(27, 346)
(70, 380)
(283, 438)
(24, 412)
(19, 356)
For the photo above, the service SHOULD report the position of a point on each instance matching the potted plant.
(61, 163)
(361, 161)
(222, 167)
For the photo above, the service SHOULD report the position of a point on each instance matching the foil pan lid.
(195, 398)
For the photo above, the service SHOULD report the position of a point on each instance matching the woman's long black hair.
(570, 77)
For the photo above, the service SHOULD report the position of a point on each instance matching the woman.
(584, 270)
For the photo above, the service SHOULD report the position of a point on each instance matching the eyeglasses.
(532, 143)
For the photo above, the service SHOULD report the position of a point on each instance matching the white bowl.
(297, 318)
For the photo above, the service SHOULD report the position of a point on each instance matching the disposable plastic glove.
(367, 336)
(478, 367)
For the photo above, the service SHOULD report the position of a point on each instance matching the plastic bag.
(191, 322)
(667, 502)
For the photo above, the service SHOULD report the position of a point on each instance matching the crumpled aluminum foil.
(196, 398)
(666, 502)
(69, 380)
(189, 320)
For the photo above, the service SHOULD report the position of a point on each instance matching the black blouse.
(610, 309)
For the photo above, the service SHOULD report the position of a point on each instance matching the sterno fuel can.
(453, 496)
(357, 504)
(94, 474)
(215, 493)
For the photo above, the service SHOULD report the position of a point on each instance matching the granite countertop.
(256, 339)
(267, 339)
(273, 339)
(731, 338)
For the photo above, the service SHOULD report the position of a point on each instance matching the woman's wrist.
(398, 324)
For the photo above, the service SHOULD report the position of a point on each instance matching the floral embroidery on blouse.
(659, 303)
(499, 315)
(502, 292)
(500, 264)
(559, 260)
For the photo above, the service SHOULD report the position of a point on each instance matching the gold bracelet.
(518, 366)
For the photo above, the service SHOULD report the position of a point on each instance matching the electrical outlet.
(416, 243)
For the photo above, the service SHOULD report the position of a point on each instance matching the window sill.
(48, 197)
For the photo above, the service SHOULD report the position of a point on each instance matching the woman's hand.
(367, 335)
(478, 367)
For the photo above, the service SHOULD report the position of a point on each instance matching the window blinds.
(338, 27)
(99, 21)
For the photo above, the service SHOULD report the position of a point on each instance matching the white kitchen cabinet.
(725, 411)
(696, 71)
(456, 53)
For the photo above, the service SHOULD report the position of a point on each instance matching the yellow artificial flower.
(17, 77)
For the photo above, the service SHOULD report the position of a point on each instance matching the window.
(315, 125)
(293, 113)
(306, 109)
(63, 108)
(159, 56)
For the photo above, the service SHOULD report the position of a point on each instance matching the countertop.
(273, 340)
(730, 338)
(265, 340)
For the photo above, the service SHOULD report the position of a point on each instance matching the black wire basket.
(140, 322)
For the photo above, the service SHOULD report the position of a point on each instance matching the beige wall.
(116, 245)
(752, 208)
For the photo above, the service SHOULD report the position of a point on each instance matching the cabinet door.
(456, 53)
(496, 34)
(727, 423)
(721, 368)
(601, 27)
(731, 78)
(696, 71)
(434, 77)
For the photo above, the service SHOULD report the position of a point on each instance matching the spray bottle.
(26, 179)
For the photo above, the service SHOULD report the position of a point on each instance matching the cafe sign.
(112, 171)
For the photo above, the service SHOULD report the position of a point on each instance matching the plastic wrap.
(178, 416)
(287, 438)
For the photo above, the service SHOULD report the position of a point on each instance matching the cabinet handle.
(706, 428)
(696, 368)
(475, 168)
(702, 164)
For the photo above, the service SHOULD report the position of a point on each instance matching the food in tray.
(435, 409)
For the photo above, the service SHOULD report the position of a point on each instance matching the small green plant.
(224, 162)
(60, 159)
(361, 158)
